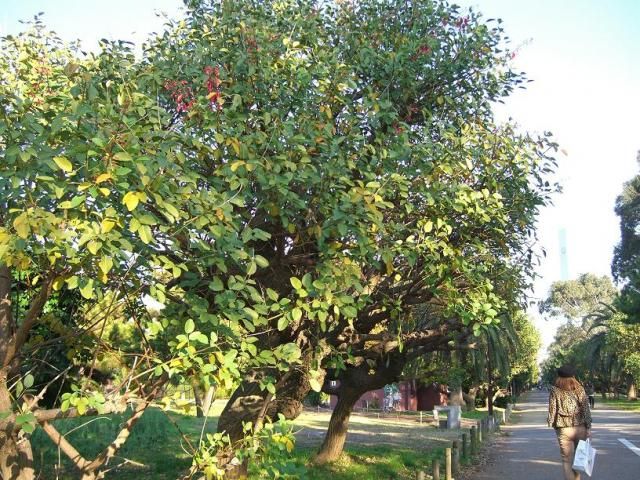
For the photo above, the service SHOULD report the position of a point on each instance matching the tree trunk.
(16, 456)
(470, 398)
(354, 382)
(251, 404)
(208, 400)
(336, 435)
(631, 389)
(490, 398)
(457, 397)
(198, 400)
(247, 404)
(490, 377)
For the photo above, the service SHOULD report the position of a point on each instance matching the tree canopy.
(305, 187)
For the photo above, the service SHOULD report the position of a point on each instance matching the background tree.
(577, 299)
(603, 344)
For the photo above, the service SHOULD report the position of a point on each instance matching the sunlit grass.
(392, 446)
(618, 404)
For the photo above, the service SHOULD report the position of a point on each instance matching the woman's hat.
(566, 371)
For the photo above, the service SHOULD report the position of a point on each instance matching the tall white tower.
(564, 260)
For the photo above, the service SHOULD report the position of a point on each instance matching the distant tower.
(564, 261)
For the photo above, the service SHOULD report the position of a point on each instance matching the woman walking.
(570, 416)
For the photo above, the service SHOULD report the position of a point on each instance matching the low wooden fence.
(462, 450)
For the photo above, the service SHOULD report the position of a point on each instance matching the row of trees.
(602, 335)
(315, 193)
(501, 364)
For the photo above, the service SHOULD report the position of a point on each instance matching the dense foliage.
(304, 187)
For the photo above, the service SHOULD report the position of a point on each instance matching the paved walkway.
(528, 450)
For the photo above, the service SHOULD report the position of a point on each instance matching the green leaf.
(28, 381)
(202, 338)
(252, 268)
(283, 322)
(296, 313)
(27, 417)
(105, 264)
(189, 326)
(93, 246)
(296, 283)
(122, 157)
(21, 225)
(87, 289)
(315, 384)
(349, 311)
(82, 405)
(131, 200)
(63, 163)
(144, 231)
(72, 282)
(28, 427)
(216, 284)
(261, 261)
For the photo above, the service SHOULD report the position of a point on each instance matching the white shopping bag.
(584, 458)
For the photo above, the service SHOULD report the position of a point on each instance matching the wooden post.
(421, 475)
(436, 469)
(420, 417)
(479, 431)
(474, 441)
(465, 446)
(447, 464)
(455, 451)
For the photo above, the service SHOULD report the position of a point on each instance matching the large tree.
(361, 139)
(307, 187)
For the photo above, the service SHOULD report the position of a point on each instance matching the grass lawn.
(619, 404)
(377, 448)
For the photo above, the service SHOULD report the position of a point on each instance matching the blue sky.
(583, 57)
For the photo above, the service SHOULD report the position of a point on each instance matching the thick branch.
(6, 319)
(62, 443)
(120, 439)
(30, 318)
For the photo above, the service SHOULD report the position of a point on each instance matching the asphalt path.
(528, 449)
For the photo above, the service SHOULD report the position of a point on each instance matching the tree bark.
(457, 397)
(7, 326)
(490, 398)
(470, 398)
(198, 399)
(354, 382)
(336, 435)
(208, 400)
(247, 404)
(16, 456)
(632, 393)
